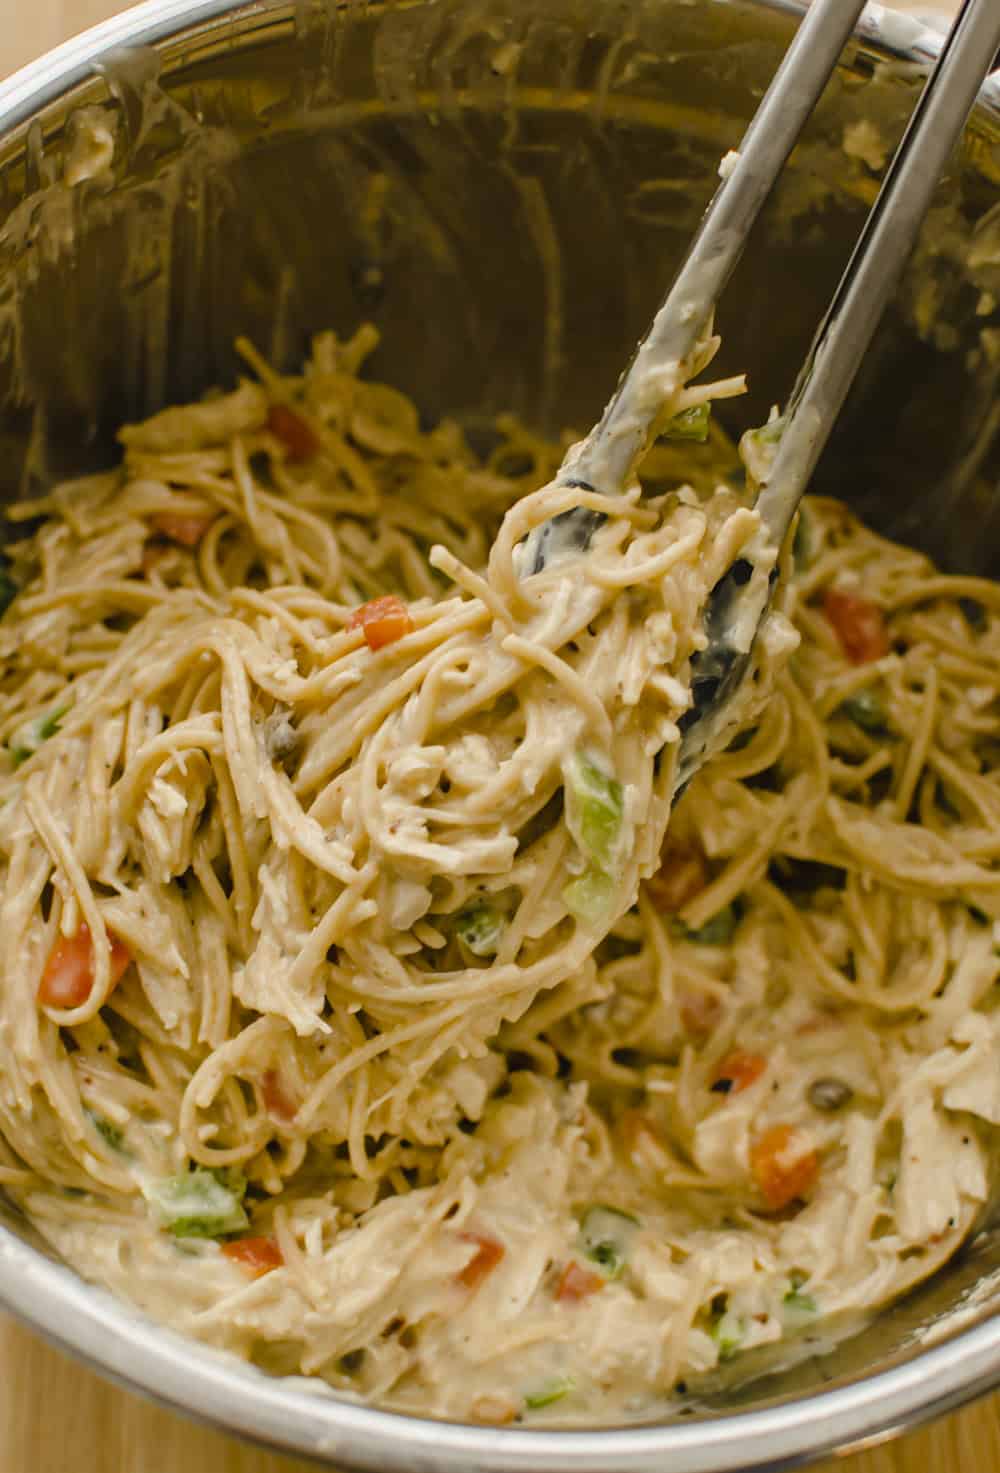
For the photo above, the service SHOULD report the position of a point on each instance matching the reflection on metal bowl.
(504, 189)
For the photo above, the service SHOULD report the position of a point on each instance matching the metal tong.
(607, 459)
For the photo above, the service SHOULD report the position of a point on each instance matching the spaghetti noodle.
(351, 1017)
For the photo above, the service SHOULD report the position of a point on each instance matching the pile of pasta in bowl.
(361, 1013)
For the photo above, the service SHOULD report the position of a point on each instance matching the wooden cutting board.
(57, 1417)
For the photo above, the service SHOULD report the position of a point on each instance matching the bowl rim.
(293, 1415)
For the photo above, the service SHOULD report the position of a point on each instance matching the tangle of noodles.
(351, 1017)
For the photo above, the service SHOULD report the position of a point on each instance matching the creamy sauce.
(407, 1058)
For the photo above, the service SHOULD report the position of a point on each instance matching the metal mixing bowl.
(503, 186)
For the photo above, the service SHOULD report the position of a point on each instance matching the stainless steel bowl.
(503, 187)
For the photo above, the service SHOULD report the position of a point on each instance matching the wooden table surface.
(56, 1417)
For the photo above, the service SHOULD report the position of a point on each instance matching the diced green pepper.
(589, 897)
(728, 1331)
(594, 810)
(867, 710)
(479, 927)
(197, 1204)
(797, 1308)
(111, 1134)
(690, 424)
(552, 1391)
(606, 1236)
(232, 1178)
(26, 740)
(718, 931)
(803, 1305)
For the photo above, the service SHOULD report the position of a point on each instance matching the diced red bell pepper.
(858, 623)
(299, 439)
(382, 621)
(577, 1283)
(255, 1256)
(277, 1100)
(783, 1167)
(185, 528)
(69, 972)
(737, 1071)
(482, 1263)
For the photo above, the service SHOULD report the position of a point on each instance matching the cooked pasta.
(357, 1016)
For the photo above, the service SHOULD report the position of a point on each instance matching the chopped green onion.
(728, 1331)
(867, 710)
(550, 1392)
(26, 740)
(690, 424)
(605, 1236)
(479, 926)
(717, 931)
(589, 897)
(197, 1204)
(594, 810)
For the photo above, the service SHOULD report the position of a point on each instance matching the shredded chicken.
(357, 1012)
